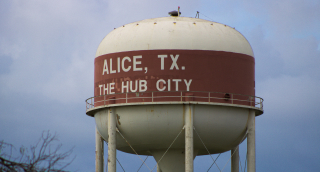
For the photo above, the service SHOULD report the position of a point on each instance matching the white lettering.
(177, 83)
(111, 87)
(105, 89)
(122, 64)
(142, 85)
(162, 60)
(105, 67)
(136, 87)
(188, 84)
(100, 86)
(158, 85)
(118, 64)
(174, 62)
(111, 71)
(124, 86)
(135, 63)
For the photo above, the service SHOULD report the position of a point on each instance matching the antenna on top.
(197, 14)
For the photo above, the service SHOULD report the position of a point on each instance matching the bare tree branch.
(44, 156)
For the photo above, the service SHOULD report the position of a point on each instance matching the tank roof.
(174, 33)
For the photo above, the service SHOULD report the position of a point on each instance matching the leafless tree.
(45, 156)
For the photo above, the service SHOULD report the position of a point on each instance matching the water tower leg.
(99, 152)
(111, 140)
(158, 168)
(251, 145)
(189, 138)
(235, 159)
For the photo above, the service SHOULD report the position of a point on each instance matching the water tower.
(174, 88)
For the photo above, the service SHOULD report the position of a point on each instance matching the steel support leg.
(99, 152)
(158, 168)
(235, 159)
(111, 140)
(251, 145)
(189, 138)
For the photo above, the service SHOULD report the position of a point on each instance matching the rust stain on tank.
(126, 79)
(183, 112)
(118, 119)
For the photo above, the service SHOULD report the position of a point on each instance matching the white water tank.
(148, 71)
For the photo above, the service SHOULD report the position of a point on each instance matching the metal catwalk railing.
(173, 96)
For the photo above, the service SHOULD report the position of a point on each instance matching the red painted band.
(203, 70)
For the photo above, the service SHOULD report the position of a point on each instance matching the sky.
(47, 50)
